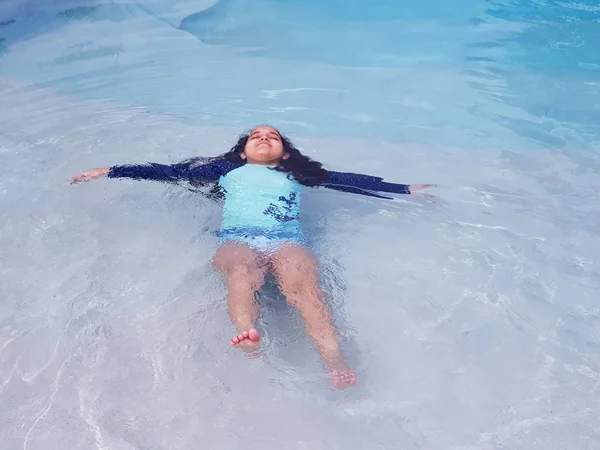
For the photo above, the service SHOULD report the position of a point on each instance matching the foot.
(342, 378)
(249, 338)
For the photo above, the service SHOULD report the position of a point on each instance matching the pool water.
(472, 320)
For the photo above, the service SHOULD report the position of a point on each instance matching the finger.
(79, 179)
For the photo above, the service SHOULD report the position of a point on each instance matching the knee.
(244, 277)
(306, 298)
(297, 272)
(298, 284)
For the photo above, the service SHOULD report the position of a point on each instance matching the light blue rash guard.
(260, 204)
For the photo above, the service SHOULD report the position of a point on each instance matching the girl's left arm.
(369, 185)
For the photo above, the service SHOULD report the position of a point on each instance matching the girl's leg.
(297, 272)
(244, 272)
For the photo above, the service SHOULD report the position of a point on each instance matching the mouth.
(264, 143)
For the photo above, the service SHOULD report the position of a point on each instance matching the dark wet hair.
(298, 166)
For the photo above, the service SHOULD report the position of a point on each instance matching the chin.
(263, 156)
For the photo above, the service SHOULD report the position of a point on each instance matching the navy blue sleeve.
(184, 171)
(357, 183)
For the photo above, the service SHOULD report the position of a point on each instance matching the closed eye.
(269, 136)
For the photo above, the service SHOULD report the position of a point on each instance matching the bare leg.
(297, 272)
(244, 273)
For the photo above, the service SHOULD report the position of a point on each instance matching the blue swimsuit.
(262, 205)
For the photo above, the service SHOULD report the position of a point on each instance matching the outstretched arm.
(160, 172)
(369, 185)
(89, 175)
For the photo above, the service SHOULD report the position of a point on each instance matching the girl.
(261, 179)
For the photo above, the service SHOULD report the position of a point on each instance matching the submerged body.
(261, 180)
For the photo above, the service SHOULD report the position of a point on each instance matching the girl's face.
(264, 147)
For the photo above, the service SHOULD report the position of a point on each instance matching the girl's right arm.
(160, 172)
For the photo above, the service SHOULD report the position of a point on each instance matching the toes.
(343, 378)
(253, 335)
(239, 338)
(249, 335)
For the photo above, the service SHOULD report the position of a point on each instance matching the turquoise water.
(472, 321)
(392, 69)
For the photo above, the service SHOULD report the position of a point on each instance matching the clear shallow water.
(473, 322)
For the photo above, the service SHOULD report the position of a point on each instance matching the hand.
(418, 187)
(89, 175)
